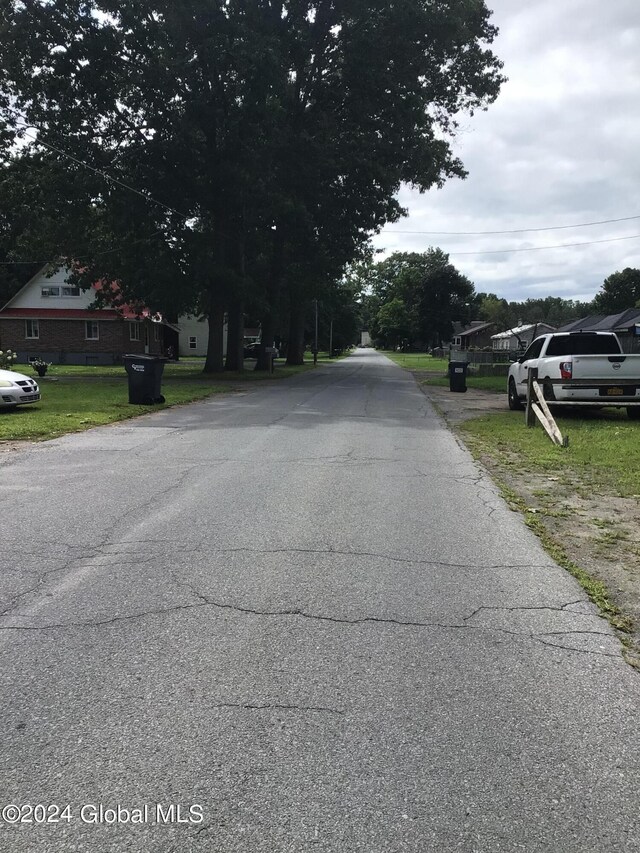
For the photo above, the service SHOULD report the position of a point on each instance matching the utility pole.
(315, 346)
(330, 339)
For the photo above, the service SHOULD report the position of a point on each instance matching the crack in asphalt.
(100, 551)
(203, 601)
(516, 608)
(250, 706)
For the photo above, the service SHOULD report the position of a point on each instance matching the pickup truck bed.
(583, 369)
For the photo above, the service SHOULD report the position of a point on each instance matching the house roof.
(60, 313)
(474, 328)
(118, 310)
(586, 323)
(519, 330)
(461, 331)
(600, 323)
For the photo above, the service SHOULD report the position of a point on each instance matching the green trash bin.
(458, 376)
(145, 378)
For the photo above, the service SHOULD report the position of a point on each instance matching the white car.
(17, 389)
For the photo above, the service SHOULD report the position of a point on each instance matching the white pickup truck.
(579, 368)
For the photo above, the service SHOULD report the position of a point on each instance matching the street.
(305, 618)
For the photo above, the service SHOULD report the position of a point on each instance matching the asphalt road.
(303, 615)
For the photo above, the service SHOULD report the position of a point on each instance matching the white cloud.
(559, 147)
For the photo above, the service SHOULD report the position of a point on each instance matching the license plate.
(617, 391)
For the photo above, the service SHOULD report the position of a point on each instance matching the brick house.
(51, 319)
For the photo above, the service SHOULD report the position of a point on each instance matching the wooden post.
(529, 414)
(543, 414)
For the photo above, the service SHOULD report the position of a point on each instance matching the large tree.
(431, 291)
(620, 291)
(262, 137)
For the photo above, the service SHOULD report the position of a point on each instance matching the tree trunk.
(268, 325)
(295, 353)
(267, 328)
(214, 362)
(235, 338)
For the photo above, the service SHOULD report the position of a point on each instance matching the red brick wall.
(69, 336)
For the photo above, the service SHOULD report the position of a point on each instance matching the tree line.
(225, 157)
(411, 300)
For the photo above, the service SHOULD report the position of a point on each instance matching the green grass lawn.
(75, 397)
(71, 405)
(497, 384)
(603, 452)
(417, 360)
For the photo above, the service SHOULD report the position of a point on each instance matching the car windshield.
(583, 344)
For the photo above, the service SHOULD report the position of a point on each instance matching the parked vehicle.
(16, 389)
(252, 350)
(579, 368)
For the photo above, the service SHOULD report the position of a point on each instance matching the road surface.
(302, 617)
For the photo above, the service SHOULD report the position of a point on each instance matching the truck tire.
(515, 404)
(548, 392)
(633, 413)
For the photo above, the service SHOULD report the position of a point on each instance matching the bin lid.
(144, 357)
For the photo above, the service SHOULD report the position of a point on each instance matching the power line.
(107, 177)
(544, 248)
(86, 257)
(518, 230)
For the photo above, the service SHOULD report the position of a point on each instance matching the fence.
(483, 356)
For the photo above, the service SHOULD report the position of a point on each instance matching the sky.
(559, 147)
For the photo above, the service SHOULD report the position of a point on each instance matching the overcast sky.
(560, 146)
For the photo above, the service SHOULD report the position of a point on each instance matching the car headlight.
(6, 383)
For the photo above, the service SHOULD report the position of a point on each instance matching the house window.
(134, 331)
(193, 343)
(32, 329)
(91, 330)
(68, 290)
(50, 291)
(457, 341)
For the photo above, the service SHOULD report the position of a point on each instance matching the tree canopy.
(619, 291)
(419, 296)
(251, 148)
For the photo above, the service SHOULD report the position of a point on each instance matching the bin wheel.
(515, 403)
(161, 399)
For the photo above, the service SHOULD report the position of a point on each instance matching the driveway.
(305, 619)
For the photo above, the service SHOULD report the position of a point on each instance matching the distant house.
(194, 336)
(476, 335)
(50, 318)
(520, 336)
(626, 325)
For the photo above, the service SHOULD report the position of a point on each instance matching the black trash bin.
(458, 376)
(145, 378)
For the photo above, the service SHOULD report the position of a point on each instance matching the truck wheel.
(515, 403)
(548, 392)
(633, 413)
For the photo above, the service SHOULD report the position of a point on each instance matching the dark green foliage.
(420, 296)
(620, 291)
(273, 135)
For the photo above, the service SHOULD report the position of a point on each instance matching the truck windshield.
(583, 344)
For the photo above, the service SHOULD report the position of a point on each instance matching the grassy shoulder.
(417, 361)
(75, 397)
(496, 384)
(582, 501)
(603, 452)
(73, 404)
